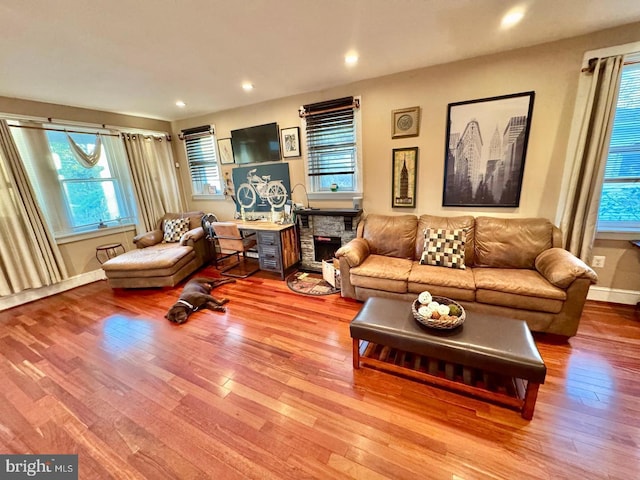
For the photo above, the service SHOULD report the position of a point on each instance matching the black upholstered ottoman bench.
(490, 357)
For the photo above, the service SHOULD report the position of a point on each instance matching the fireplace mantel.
(348, 215)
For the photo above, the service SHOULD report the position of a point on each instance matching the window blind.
(331, 137)
(623, 163)
(201, 154)
(620, 199)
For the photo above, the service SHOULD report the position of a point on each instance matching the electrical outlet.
(598, 261)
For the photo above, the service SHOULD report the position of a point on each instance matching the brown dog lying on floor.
(195, 296)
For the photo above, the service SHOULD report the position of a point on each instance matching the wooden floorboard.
(267, 391)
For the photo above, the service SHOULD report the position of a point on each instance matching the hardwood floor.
(267, 391)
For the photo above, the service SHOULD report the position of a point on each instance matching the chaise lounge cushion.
(161, 260)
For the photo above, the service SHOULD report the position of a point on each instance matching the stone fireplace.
(322, 232)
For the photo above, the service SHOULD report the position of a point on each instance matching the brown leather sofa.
(158, 264)
(515, 268)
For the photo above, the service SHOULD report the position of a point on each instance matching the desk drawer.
(270, 263)
(269, 250)
(269, 238)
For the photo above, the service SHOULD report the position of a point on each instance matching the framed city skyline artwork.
(485, 150)
(405, 165)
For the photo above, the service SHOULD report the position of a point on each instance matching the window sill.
(102, 232)
(622, 236)
(218, 196)
(334, 195)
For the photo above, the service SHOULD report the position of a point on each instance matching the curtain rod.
(592, 64)
(65, 130)
(355, 104)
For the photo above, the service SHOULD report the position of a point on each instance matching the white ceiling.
(139, 56)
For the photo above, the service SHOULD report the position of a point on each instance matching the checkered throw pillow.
(444, 248)
(174, 229)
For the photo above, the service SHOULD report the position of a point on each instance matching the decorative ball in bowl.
(437, 312)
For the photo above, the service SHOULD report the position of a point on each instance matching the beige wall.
(551, 70)
(80, 255)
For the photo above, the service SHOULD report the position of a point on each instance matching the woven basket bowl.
(436, 322)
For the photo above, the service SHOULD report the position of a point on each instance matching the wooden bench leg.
(356, 353)
(530, 400)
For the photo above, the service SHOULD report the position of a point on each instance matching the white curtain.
(30, 256)
(582, 197)
(154, 177)
(86, 159)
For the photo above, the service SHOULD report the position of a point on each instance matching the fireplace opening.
(325, 247)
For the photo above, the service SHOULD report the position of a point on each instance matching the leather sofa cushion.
(391, 235)
(521, 302)
(465, 223)
(524, 289)
(511, 242)
(443, 281)
(382, 273)
(519, 282)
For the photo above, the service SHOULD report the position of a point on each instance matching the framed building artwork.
(405, 164)
(485, 150)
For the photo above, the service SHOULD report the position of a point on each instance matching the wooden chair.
(232, 243)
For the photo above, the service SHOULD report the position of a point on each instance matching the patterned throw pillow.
(174, 229)
(444, 248)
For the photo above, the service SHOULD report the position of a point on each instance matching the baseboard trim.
(599, 294)
(31, 295)
(613, 295)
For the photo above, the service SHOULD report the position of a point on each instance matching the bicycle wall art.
(260, 187)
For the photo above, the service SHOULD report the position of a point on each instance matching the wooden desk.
(278, 245)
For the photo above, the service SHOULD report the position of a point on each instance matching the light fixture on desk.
(305, 193)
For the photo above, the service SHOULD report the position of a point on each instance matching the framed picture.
(486, 145)
(226, 151)
(405, 164)
(290, 141)
(405, 122)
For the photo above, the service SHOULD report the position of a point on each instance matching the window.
(75, 198)
(331, 129)
(200, 148)
(620, 201)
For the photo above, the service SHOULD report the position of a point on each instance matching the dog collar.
(184, 302)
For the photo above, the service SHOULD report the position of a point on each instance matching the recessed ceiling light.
(180, 104)
(351, 58)
(247, 86)
(512, 17)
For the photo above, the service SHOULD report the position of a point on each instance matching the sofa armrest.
(355, 252)
(192, 236)
(561, 268)
(148, 239)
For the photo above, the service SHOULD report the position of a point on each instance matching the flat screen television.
(256, 144)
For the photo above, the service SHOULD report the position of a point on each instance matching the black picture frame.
(485, 150)
(290, 141)
(404, 177)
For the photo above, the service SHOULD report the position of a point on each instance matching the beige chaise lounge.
(158, 263)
